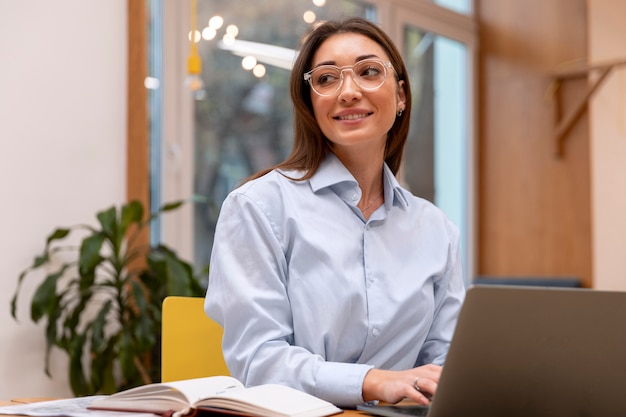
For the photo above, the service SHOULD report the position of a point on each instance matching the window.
(243, 120)
(436, 158)
(460, 6)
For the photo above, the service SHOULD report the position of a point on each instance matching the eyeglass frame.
(307, 76)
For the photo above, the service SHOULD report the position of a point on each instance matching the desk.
(346, 413)
(17, 401)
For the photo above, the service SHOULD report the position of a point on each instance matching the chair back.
(191, 341)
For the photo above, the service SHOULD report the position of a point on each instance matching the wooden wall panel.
(137, 134)
(534, 208)
(138, 163)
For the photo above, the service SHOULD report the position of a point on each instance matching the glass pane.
(155, 106)
(244, 122)
(435, 165)
(459, 6)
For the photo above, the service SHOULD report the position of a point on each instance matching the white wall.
(608, 145)
(62, 152)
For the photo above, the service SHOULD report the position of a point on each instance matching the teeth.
(352, 117)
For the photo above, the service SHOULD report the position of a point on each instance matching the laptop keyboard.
(395, 410)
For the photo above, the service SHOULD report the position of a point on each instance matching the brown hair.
(310, 146)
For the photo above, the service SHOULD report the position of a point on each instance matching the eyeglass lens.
(367, 74)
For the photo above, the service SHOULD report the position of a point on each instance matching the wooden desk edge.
(27, 400)
(17, 401)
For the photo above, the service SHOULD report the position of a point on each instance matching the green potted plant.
(103, 306)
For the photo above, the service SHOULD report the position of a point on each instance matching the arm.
(449, 291)
(248, 295)
(393, 386)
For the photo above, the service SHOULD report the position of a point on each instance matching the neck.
(372, 189)
(366, 168)
(368, 206)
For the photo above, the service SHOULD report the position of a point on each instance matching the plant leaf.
(74, 311)
(173, 205)
(39, 261)
(102, 367)
(139, 296)
(89, 257)
(107, 220)
(59, 233)
(98, 338)
(51, 335)
(195, 198)
(126, 353)
(45, 297)
(142, 325)
(78, 382)
(178, 273)
(131, 213)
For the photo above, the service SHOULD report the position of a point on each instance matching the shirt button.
(375, 332)
(355, 197)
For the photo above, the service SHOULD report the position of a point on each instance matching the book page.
(186, 391)
(199, 388)
(74, 407)
(273, 400)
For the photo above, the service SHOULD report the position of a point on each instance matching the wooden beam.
(566, 124)
(137, 138)
(137, 163)
(584, 70)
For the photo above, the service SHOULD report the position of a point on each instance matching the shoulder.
(428, 214)
(268, 184)
(267, 193)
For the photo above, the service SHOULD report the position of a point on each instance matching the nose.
(349, 89)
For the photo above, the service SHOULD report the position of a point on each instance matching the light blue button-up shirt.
(312, 295)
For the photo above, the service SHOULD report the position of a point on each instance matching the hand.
(393, 386)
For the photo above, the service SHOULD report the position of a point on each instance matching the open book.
(217, 394)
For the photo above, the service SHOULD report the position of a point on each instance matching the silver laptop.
(530, 351)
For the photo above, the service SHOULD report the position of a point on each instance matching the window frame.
(176, 130)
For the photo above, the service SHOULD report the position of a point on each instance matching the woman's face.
(353, 117)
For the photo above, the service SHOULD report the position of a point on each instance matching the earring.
(399, 112)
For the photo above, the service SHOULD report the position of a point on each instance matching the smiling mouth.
(352, 116)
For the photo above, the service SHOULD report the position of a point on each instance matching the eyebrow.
(359, 58)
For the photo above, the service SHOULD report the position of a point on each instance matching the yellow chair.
(191, 341)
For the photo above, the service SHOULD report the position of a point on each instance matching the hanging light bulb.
(193, 81)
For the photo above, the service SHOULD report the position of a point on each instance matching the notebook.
(530, 351)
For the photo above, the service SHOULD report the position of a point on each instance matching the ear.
(401, 96)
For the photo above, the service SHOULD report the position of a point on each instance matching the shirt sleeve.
(449, 291)
(247, 295)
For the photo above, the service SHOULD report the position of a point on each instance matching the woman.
(326, 274)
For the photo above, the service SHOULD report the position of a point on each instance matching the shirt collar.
(333, 174)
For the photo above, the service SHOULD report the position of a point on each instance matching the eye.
(325, 77)
(371, 71)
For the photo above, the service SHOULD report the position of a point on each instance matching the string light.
(193, 81)
(309, 16)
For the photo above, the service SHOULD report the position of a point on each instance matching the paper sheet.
(74, 407)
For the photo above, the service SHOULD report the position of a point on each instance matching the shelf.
(566, 123)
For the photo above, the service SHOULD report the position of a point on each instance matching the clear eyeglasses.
(368, 74)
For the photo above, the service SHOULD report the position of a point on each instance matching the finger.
(425, 386)
(431, 371)
(418, 396)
